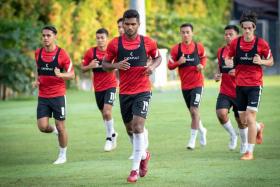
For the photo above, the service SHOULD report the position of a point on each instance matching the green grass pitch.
(26, 155)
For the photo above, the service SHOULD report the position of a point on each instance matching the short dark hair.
(102, 31)
(248, 15)
(51, 28)
(233, 27)
(120, 20)
(186, 25)
(131, 13)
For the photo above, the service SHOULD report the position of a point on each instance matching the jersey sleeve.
(202, 54)
(152, 50)
(219, 55)
(112, 49)
(172, 62)
(36, 55)
(87, 57)
(65, 61)
(265, 49)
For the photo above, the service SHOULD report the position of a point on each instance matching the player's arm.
(109, 63)
(202, 57)
(265, 52)
(36, 82)
(67, 64)
(91, 65)
(172, 62)
(88, 63)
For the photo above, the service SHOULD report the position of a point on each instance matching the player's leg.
(111, 135)
(43, 115)
(243, 129)
(254, 94)
(222, 109)
(141, 156)
(59, 113)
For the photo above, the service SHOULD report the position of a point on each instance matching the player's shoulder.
(262, 41)
(199, 45)
(148, 39)
(37, 51)
(63, 53)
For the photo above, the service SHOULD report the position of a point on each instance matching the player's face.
(130, 26)
(248, 29)
(186, 34)
(120, 28)
(48, 37)
(230, 34)
(101, 39)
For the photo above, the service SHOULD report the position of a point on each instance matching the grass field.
(26, 155)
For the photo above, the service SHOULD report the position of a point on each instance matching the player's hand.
(182, 59)
(57, 72)
(123, 65)
(35, 84)
(94, 64)
(232, 72)
(217, 77)
(199, 67)
(257, 59)
(229, 62)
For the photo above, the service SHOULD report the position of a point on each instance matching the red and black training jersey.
(194, 54)
(133, 80)
(228, 84)
(51, 86)
(247, 73)
(101, 80)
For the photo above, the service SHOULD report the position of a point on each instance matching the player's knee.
(223, 117)
(42, 127)
(107, 115)
(194, 112)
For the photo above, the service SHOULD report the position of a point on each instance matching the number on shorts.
(145, 106)
(112, 96)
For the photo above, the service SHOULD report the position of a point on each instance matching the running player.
(54, 66)
(190, 58)
(250, 52)
(129, 53)
(104, 84)
(227, 95)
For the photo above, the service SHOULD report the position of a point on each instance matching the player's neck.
(101, 48)
(249, 38)
(131, 37)
(187, 42)
(50, 48)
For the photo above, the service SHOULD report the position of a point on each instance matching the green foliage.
(77, 21)
(18, 40)
(207, 16)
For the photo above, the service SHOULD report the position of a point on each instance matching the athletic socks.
(193, 135)
(228, 127)
(138, 149)
(250, 148)
(201, 127)
(244, 135)
(109, 125)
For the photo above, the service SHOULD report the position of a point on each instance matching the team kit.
(129, 59)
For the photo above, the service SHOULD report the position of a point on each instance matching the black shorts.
(48, 107)
(193, 96)
(248, 97)
(105, 97)
(224, 101)
(136, 104)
